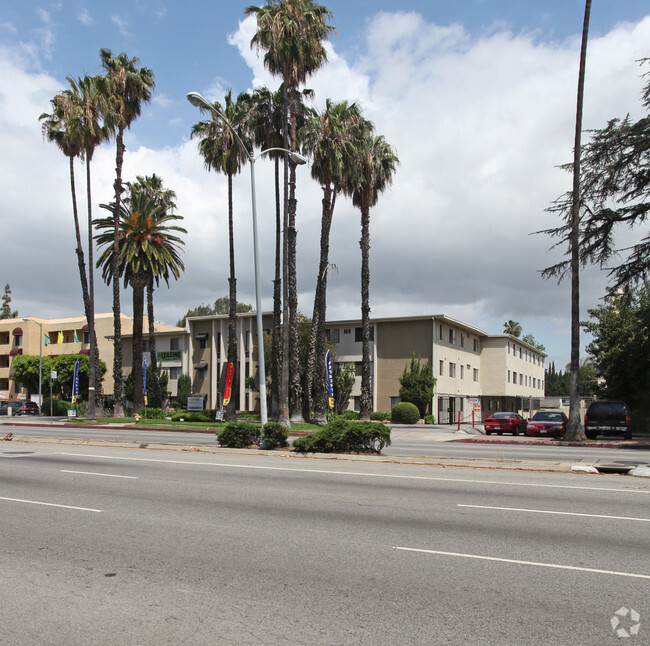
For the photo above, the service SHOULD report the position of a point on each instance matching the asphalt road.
(126, 546)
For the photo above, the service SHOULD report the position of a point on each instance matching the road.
(406, 442)
(108, 546)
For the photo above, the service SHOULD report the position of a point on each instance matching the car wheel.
(592, 436)
(488, 432)
(499, 432)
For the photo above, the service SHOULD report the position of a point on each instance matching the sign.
(330, 380)
(144, 379)
(75, 382)
(170, 355)
(72, 413)
(473, 400)
(230, 376)
(53, 375)
(195, 404)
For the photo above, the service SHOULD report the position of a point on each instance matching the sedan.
(501, 423)
(551, 423)
(19, 408)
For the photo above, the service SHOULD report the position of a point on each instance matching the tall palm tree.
(148, 249)
(126, 87)
(329, 140)
(292, 35)
(152, 185)
(223, 152)
(575, 431)
(374, 165)
(513, 328)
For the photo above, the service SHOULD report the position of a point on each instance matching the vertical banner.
(144, 379)
(330, 380)
(230, 375)
(75, 382)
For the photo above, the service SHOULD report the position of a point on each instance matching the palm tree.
(223, 152)
(153, 186)
(513, 328)
(328, 139)
(374, 165)
(148, 249)
(574, 430)
(126, 87)
(291, 33)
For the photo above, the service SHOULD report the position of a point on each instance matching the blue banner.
(75, 382)
(144, 379)
(330, 380)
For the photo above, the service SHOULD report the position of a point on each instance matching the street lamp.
(40, 358)
(200, 102)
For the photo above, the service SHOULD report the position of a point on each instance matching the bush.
(379, 416)
(275, 436)
(184, 416)
(429, 419)
(343, 436)
(239, 435)
(60, 408)
(405, 413)
(349, 415)
(152, 413)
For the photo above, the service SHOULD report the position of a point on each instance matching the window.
(202, 372)
(175, 344)
(358, 334)
(475, 374)
(452, 369)
(521, 379)
(440, 332)
(333, 335)
(146, 345)
(520, 352)
(394, 401)
(347, 331)
(462, 368)
(475, 345)
(452, 336)
(508, 347)
(508, 376)
(203, 342)
(18, 340)
(534, 382)
(442, 368)
(514, 378)
(86, 337)
(358, 368)
(175, 373)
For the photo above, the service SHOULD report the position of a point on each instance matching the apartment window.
(86, 337)
(508, 376)
(442, 368)
(203, 342)
(440, 332)
(520, 352)
(534, 382)
(358, 367)
(358, 333)
(18, 340)
(175, 344)
(452, 336)
(175, 373)
(452, 369)
(202, 372)
(475, 345)
(333, 335)
(347, 331)
(521, 379)
(462, 340)
(475, 374)
(462, 369)
(514, 378)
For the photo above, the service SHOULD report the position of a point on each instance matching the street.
(110, 545)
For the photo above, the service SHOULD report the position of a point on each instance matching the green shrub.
(181, 416)
(60, 408)
(344, 436)
(349, 415)
(239, 435)
(152, 413)
(275, 436)
(379, 416)
(429, 419)
(405, 413)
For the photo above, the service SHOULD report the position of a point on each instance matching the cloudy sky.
(476, 96)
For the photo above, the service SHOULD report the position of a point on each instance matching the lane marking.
(357, 473)
(51, 504)
(559, 513)
(105, 475)
(517, 562)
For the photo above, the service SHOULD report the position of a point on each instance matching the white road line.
(533, 563)
(560, 513)
(51, 504)
(105, 475)
(357, 473)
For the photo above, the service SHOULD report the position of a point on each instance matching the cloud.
(85, 18)
(122, 25)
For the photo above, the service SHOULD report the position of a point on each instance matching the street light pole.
(40, 359)
(198, 101)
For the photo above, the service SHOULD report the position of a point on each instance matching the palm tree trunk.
(158, 402)
(93, 363)
(276, 339)
(366, 399)
(137, 284)
(118, 410)
(231, 408)
(575, 431)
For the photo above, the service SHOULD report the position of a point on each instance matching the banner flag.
(144, 379)
(60, 341)
(230, 375)
(75, 382)
(76, 338)
(330, 380)
(47, 339)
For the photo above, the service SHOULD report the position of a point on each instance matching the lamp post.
(40, 358)
(200, 102)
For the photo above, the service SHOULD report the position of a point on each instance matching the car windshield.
(547, 416)
(497, 415)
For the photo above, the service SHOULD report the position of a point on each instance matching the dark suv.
(608, 418)
(19, 408)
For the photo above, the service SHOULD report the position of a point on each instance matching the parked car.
(551, 423)
(607, 417)
(501, 423)
(19, 408)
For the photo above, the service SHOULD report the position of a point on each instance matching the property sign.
(195, 404)
(230, 376)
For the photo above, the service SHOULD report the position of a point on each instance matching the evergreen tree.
(6, 311)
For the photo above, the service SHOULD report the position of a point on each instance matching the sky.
(477, 97)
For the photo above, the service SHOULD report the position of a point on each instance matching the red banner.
(230, 375)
